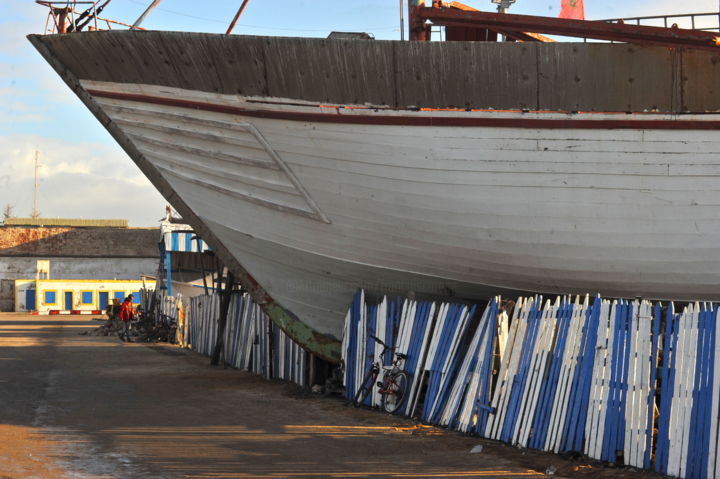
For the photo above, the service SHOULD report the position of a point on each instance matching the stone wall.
(79, 242)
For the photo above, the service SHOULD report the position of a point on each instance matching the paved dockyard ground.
(74, 406)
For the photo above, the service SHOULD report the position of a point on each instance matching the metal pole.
(237, 16)
(35, 212)
(402, 20)
(145, 14)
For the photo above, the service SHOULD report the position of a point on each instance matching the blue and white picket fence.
(252, 342)
(620, 381)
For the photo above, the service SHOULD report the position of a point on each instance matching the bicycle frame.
(370, 379)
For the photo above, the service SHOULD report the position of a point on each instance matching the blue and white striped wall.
(182, 241)
(252, 342)
(626, 382)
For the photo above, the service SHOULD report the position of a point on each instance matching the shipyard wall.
(75, 253)
(483, 75)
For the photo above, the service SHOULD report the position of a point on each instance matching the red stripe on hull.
(406, 120)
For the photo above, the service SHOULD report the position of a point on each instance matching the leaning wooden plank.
(641, 386)
(713, 463)
(484, 370)
(450, 364)
(506, 373)
(607, 448)
(703, 428)
(675, 435)
(702, 434)
(514, 402)
(598, 408)
(631, 384)
(557, 417)
(549, 387)
(647, 385)
(569, 377)
(522, 307)
(540, 368)
(459, 414)
(588, 348)
(691, 358)
(526, 402)
(459, 386)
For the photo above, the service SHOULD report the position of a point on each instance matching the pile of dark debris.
(142, 330)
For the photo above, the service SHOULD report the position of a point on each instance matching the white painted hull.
(313, 210)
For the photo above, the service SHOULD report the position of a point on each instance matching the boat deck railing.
(709, 22)
(66, 16)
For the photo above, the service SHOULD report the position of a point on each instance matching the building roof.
(70, 222)
(79, 242)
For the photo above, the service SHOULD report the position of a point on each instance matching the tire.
(395, 390)
(364, 390)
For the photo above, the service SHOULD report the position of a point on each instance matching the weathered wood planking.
(555, 76)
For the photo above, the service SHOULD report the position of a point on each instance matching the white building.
(32, 249)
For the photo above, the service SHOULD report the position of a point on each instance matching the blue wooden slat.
(446, 387)
(520, 379)
(609, 442)
(624, 381)
(484, 391)
(549, 387)
(712, 330)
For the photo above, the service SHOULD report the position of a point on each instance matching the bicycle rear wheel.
(394, 391)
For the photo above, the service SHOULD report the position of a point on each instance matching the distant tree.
(8, 211)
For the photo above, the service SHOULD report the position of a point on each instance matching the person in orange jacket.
(127, 312)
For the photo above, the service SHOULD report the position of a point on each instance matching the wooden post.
(222, 320)
(416, 24)
(312, 371)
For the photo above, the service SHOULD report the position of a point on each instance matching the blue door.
(103, 298)
(30, 299)
(68, 305)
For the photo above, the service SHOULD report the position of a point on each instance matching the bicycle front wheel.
(394, 392)
(364, 390)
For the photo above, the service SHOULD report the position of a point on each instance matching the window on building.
(119, 295)
(50, 297)
(136, 297)
(86, 297)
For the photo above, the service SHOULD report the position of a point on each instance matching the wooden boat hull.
(309, 201)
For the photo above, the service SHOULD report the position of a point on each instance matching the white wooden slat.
(445, 369)
(459, 388)
(380, 333)
(531, 373)
(631, 384)
(596, 408)
(503, 373)
(524, 305)
(567, 372)
(689, 379)
(536, 372)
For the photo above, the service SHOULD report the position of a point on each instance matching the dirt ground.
(81, 407)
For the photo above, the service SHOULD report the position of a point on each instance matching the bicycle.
(393, 385)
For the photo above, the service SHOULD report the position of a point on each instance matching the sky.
(84, 174)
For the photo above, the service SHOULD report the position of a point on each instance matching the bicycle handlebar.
(379, 341)
(391, 348)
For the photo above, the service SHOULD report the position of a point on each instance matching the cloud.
(88, 180)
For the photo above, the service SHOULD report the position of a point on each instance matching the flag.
(574, 9)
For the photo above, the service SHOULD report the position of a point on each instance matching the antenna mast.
(35, 213)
